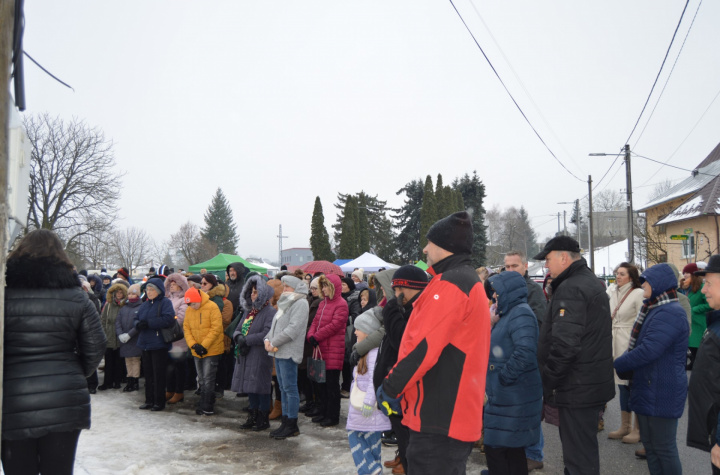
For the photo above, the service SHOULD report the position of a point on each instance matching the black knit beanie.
(453, 233)
(349, 282)
(410, 277)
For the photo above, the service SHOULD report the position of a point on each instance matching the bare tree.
(72, 179)
(132, 247)
(192, 245)
(660, 189)
(608, 200)
(96, 248)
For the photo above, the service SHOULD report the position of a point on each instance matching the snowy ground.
(126, 440)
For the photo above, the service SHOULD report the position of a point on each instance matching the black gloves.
(354, 357)
(313, 341)
(199, 349)
(142, 325)
(240, 340)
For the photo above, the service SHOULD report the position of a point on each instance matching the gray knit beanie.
(367, 323)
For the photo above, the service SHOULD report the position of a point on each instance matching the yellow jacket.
(204, 326)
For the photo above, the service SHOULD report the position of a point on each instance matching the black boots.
(132, 385)
(251, 420)
(279, 429)
(207, 404)
(261, 421)
(290, 430)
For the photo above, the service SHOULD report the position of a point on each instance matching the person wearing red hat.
(693, 284)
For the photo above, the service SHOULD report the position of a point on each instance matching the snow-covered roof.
(704, 202)
(691, 184)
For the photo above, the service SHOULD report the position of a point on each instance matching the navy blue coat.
(151, 338)
(513, 385)
(659, 383)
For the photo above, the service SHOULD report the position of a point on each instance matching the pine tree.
(363, 239)
(348, 236)
(220, 228)
(408, 222)
(441, 202)
(428, 212)
(319, 238)
(381, 237)
(459, 201)
(473, 195)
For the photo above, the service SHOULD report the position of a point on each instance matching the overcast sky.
(277, 102)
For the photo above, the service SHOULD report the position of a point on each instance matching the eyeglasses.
(204, 283)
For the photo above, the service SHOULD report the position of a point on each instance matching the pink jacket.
(179, 305)
(329, 326)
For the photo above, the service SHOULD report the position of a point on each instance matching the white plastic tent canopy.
(368, 262)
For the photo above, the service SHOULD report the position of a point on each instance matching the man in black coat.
(235, 281)
(575, 353)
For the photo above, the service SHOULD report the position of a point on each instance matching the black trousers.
(113, 368)
(92, 380)
(330, 394)
(175, 373)
(53, 453)
(430, 454)
(506, 460)
(347, 377)
(155, 364)
(578, 435)
(223, 379)
(402, 435)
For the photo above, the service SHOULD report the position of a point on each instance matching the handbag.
(172, 333)
(316, 367)
(357, 398)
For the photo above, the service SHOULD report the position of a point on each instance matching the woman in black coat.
(53, 341)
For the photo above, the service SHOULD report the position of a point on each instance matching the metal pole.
(558, 222)
(280, 237)
(577, 219)
(631, 230)
(592, 238)
(565, 222)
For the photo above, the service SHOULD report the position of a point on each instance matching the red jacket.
(329, 326)
(443, 357)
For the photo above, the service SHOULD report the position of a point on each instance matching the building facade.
(296, 256)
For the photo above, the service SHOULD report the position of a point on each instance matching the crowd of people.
(445, 360)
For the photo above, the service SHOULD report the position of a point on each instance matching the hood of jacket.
(333, 280)
(218, 290)
(240, 270)
(660, 277)
(179, 279)
(384, 278)
(372, 298)
(265, 293)
(96, 282)
(511, 290)
(157, 282)
(110, 296)
(42, 273)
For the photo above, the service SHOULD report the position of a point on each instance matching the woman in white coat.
(626, 299)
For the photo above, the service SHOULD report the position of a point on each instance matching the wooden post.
(7, 18)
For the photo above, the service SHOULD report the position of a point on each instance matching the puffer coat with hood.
(53, 341)
(328, 328)
(513, 386)
(204, 326)
(158, 313)
(253, 372)
(179, 305)
(659, 382)
(217, 295)
(235, 286)
(110, 312)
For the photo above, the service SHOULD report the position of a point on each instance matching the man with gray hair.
(575, 353)
(516, 261)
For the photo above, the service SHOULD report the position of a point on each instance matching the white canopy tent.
(368, 262)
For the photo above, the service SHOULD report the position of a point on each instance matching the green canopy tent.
(219, 263)
(421, 265)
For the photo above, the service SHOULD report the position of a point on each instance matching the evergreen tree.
(459, 201)
(428, 212)
(441, 199)
(220, 229)
(363, 225)
(530, 237)
(319, 238)
(473, 195)
(381, 237)
(408, 222)
(348, 236)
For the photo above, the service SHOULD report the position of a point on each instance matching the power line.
(658, 74)
(47, 72)
(511, 96)
(673, 166)
(669, 75)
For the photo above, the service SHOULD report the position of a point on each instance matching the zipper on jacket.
(417, 402)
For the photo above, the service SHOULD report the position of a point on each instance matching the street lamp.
(628, 185)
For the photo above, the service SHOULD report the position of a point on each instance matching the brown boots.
(624, 427)
(634, 436)
(177, 397)
(276, 411)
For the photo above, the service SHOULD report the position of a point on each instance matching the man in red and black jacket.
(438, 383)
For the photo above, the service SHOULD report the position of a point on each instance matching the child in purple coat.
(365, 422)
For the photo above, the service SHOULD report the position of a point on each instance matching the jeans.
(535, 451)
(624, 397)
(259, 401)
(52, 453)
(207, 369)
(286, 370)
(431, 454)
(154, 363)
(365, 450)
(658, 436)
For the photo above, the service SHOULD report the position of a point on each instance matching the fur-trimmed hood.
(43, 273)
(217, 291)
(96, 283)
(265, 293)
(333, 280)
(179, 279)
(110, 295)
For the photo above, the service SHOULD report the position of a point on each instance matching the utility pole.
(631, 226)
(558, 222)
(591, 239)
(280, 238)
(7, 19)
(577, 219)
(565, 222)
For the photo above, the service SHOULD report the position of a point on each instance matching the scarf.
(662, 299)
(251, 316)
(286, 300)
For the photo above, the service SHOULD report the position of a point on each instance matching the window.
(300, 258)
(689, 247)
